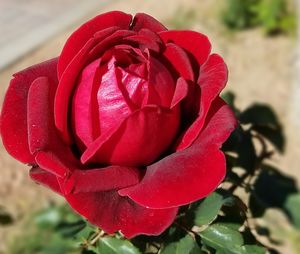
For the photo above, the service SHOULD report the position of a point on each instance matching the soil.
(261, 70)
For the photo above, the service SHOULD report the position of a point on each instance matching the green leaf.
(110, 245)
(253, 249)
(208, 210)
(185, 245)
(48, 217)
(67, 229)
(259, 114)
(222, 238)
(292, 205)
(85, 233)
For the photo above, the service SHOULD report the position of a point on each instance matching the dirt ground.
(261, 70)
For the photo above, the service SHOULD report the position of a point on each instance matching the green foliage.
(111, 245)
(222, 238)
(208, 210)
(239, 14)
(184, 245)
(50, 231)
(272, 15)
(292, 207)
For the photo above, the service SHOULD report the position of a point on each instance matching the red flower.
(126, 123)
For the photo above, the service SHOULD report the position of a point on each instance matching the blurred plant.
(220, 223)
(273, 16)
(239, 14)
(49, 231)
(5, 217)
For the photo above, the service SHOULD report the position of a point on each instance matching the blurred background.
(257, 39)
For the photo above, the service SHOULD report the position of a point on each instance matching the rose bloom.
(126, 124)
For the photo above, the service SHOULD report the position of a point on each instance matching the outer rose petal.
(102, 179)
(111, 212)
(13, 120)
(45, 178)
(195, 43)
(212, 80)
(191, 174)
(79, 38)
(142, 20)
(42, 136)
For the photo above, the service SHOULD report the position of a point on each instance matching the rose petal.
(101, 41)
(178, 59)
(46, 179)
(195, 43)
(181, 92)
(38, 115)
(13, 122)
(64, 91)
(112, 102)
(82, 35)
(191, 174)
(51, 163)
(102, 45)
(81, 105)
(134, 86)
(212, 80)
(111, 213)
(142, 20)
(144, 42)
(102, 179)
(161, 85)
(42, 136)
(139, 140)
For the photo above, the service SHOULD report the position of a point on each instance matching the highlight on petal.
(139, 140)
(13, 121)
(191, 174)
(82, 119)
(89, 52)
(81, 36)
(111, 213)
(143, 20)
(212, 80)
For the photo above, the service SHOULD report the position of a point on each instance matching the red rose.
(126, 123)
